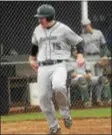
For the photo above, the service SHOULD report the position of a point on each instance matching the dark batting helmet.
(45, 11)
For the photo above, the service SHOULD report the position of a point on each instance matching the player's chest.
(91, 38)
(49, 36)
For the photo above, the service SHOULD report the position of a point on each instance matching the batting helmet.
(45, 11)
(85, 22)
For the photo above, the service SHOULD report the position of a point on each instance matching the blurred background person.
(106, 66)
(95, 46)
(89, 85)
(80, 76)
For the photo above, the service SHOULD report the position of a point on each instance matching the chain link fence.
(17, 25)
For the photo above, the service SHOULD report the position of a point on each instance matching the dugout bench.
(21, 82)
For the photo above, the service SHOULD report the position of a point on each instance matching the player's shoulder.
(82, 34)
(97, 31)
(62, 25)
(37, 28)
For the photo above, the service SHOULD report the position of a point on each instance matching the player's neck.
(51, 24)
(90, 29)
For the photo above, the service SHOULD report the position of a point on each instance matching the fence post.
(84, 10)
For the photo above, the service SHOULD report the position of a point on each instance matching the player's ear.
(50, 18)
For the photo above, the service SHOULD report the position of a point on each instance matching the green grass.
(102, 112)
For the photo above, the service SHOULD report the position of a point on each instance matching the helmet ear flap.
(50, 18)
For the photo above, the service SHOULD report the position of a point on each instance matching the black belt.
(49, 62)
(93, 54)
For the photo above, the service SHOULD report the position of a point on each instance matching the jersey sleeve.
(34, 40)
(104, 49)
(72, 38)
(103, 41)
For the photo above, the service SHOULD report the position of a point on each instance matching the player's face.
(87, 28)
(43, 22)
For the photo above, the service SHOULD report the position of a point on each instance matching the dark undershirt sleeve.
(104, 51)
(79, 48)
(34, 50)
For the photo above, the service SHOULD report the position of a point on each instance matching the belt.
(92, 54)
(49, 62)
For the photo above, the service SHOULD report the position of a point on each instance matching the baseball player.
(88, 83)
(80, 78)
(94, 43)
(95, 47)
(52, 43)
(105, 65)
(99, 86)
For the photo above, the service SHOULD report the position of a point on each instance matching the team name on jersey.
(43, 39)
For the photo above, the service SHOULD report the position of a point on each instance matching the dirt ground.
(80, 126)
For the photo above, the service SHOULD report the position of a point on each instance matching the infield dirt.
(80, 126)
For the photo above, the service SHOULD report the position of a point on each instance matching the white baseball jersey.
(81, 70)
(93, 41)
(54, 43)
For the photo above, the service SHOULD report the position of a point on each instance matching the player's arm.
(33, 54)
(103, 46)
(88, 71)
(76, 43)
(32, 57)
(88, 74)
(78, 49)
(74, 40)
(73, 75)
(104, 51)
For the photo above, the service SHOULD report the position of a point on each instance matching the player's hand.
(80, 60)
(103, 61)
(33, 63)
(87, 76)
(73, 75)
